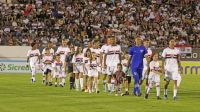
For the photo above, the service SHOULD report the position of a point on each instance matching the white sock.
(126, 89)
(165, 91)
(158, 90)
(109, 87)
(63, 80)
(55, 83)
(112, 87)
(175, 92)
(77, 84)
(81, 83)
(148, 90)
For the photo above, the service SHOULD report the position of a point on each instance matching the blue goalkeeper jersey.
(137, 53)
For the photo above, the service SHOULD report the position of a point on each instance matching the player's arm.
(105, 60)
(101, 58)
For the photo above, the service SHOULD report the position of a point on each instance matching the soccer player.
(47, 61)
(146, 62)
(171, 63)
(120, 77)
(154, 76)
(50, 47)
(63, 50)
(33, 59)
(125, 69)
(137, 53)
(93, 73)
(86, 67)
(58, 68)
(77, 61)
(96, 49)
(112, 58)
(69, 65)
(104, 49)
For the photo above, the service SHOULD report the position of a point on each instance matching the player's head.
(138, 41)
(112, 40)
(146, 43)
(50, 44)
(94, 56)
(33, 45)
(119, 66)
(96, 43)
(79, 50)
(47, 50)
(64, 42)
(126, 56)
(58, 57)
(72, 50)
(155, 56)
(171, 42)
(88, 53)
(89, 44)
(108, 41)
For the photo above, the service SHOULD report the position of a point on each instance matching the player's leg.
(33, 72)
(56, 76)
(56, 80)
(90, 84)
(63, 77)
(80, 70)
(158, 90)
(166, 83)
(175, 78)
(85, 79)
(71, 80)
(104, 82)
(179, 80)
(148, 89)
(109, 79)
(81, 81)
(136, 90)
(175, 89)
(77, 81)
(50, 77)
(96, 84)
(46, 76)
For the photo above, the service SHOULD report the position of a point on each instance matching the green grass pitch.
(17, 94)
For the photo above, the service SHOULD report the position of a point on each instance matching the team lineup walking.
(108, 64)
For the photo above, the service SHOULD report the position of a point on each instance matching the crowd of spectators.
(25, 21)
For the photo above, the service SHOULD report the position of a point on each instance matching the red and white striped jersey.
(113, 53)
(171, 57)
(63, 51)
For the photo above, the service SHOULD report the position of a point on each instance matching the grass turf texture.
(17, 94)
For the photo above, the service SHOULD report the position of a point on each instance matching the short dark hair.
(119, 64)
(33, 44)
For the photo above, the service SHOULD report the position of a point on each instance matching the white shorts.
(57, 74)
(154, 78)
(111, 70)
(93, 73)
(172, 75)
(78, 69)
(144, 74)
(45, 67)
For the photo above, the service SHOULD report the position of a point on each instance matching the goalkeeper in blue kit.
(137, 53)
